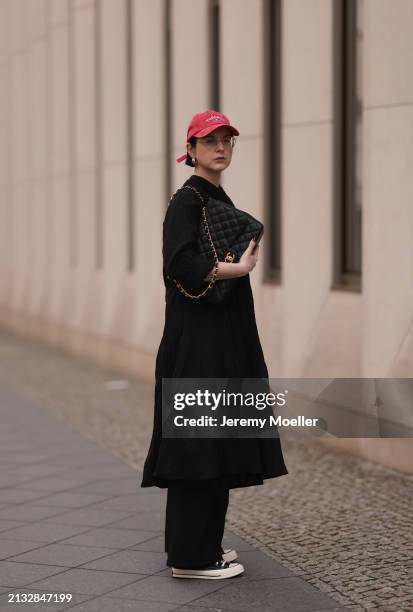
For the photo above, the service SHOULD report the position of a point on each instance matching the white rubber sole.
(218, 574)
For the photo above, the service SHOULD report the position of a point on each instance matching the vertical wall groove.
(272, 136)
(49, 135)
(72, 137)
(347, 109)
(10, 197)
(98, 135)
(130, 134)
(214, 54)
(168, 99)
(28, 185)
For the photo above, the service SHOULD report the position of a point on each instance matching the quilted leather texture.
(231, 231)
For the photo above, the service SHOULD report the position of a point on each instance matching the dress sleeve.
(181, 258)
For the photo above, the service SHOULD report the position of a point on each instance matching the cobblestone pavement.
(342, 524)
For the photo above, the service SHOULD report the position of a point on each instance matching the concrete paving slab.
(29, 514)
(60, 554)
(88, 517)
(108, 604)
(156, 543)
(10, 548)
(129, 560)
(156, 588)
(54, 484)
(112, 486)
(7, 525)
(22, 574)
(133, 503)
(7, 480)
(111, 538)
(10, 495)
(86, 581)
(42, 532)
(73, 500)
(153, 521)
(37, 471)
(7, 465)
(102, 472)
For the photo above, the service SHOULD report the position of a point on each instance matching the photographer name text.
(209, 421)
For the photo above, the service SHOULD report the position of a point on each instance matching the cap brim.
(181, 159)
(211, 128)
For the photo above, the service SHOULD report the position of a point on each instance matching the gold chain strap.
(213, 279)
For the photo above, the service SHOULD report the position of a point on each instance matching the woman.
(205, 340)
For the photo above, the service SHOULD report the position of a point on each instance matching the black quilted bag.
(226, 232)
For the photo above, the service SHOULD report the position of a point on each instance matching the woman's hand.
(249, 258)
(234, 270)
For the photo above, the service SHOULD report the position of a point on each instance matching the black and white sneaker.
(217, 571)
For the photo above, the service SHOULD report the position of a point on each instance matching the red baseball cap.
(202, 124)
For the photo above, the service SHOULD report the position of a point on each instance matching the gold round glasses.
(211, 142)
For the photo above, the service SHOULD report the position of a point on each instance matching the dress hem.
(233, 481)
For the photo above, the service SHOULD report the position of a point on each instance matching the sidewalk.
(337, 526)
(73, 520)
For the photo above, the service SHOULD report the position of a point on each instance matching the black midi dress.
(205, 340)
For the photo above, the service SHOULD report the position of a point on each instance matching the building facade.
(95, 98)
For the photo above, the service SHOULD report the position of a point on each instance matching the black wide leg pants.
(195, 522)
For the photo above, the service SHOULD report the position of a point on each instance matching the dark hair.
(188, 160)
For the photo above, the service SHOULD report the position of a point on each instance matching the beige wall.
(388, 163)
(50, 154)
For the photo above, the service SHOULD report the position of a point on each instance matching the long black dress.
(203, 340)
